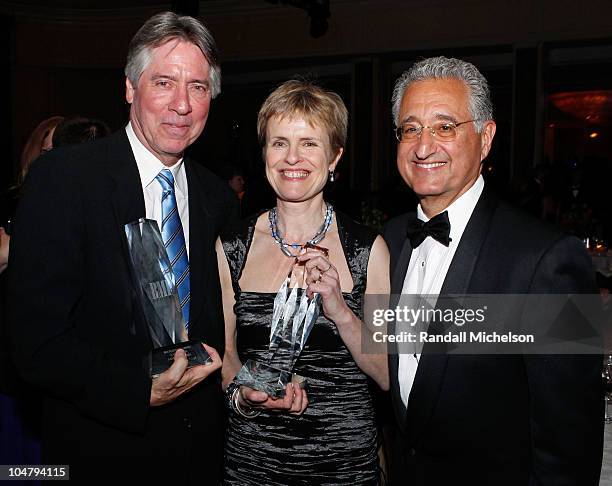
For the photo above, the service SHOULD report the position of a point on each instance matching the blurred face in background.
(237, 184)
(39, 142)
(47, 143)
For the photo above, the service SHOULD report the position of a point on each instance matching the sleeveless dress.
(334, 442)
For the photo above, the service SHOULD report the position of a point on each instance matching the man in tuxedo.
(478, 419)
(77, 322)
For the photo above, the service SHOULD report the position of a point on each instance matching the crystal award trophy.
(158, 296)
(293, 317)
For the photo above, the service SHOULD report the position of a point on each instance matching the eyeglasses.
(442, 130)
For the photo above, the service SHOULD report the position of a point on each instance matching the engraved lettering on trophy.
(158, 297)
(159, 290)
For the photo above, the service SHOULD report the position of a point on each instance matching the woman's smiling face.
(298, 157)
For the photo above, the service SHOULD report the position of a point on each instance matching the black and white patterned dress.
(334, 441)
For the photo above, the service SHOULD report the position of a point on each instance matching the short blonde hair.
(304, 98)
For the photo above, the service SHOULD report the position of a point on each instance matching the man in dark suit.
(79, 333)
(508, 419)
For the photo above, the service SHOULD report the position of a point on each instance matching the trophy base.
(266, 378)
(162, 358)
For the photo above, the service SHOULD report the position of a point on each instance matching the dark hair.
(79, 130)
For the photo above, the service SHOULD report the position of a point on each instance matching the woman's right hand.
(295, 400)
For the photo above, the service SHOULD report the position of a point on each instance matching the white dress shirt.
(148, 167)
(429, 264)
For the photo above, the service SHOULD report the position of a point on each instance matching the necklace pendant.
(286, 251)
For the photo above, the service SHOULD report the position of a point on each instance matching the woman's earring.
(331, 176)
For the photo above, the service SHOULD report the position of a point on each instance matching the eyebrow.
(156, 76)
(437, 116)
(302, 139)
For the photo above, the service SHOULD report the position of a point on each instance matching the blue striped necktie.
(174, 240)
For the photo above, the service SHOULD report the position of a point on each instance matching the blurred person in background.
(20, 406)
(19, 403)
(39, 142)
(79, 129)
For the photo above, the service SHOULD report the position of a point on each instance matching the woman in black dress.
(327, 434)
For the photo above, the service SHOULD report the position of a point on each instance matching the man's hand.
(177, 379)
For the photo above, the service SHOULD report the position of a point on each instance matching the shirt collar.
(149, 165)
(460, 211)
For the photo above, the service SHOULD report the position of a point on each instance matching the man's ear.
(129, 91)
(486, 138)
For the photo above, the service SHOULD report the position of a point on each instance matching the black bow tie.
(437, 227)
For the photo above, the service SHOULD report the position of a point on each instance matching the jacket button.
(412, 451)
(187, 423)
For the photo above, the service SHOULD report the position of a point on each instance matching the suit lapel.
(200, 235)
(127, 197)
(432, 366)
(464, 262)
(399, 274)
(397, 283)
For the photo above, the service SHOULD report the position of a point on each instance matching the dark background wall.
(66, 57)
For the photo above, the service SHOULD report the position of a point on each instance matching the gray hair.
(164, 27)
(480, 106)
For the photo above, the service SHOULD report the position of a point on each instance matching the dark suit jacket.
(77, 327)
(504, 419)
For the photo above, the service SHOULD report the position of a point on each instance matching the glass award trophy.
(293, 317)
(158, 296)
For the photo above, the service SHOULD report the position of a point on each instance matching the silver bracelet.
(249, 413)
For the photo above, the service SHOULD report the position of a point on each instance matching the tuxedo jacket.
(77, 326)
(500, 419)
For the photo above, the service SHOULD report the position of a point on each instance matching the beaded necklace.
(297, 247)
